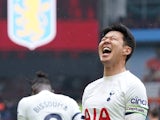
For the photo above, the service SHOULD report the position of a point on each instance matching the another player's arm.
(76, 110)
(21, 110)
(19, 117)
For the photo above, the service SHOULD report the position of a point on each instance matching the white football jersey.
(47, 106)
(115, 97)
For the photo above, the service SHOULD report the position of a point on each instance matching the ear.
(127, 50)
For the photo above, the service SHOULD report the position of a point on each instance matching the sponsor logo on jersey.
(138, 101)
(31, 23)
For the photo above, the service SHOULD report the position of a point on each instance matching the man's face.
(112, 48)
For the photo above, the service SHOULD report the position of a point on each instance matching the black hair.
(127, 35)
(40, 79)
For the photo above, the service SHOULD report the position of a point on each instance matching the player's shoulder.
(65, 97)
(25, 102)
(134, 82)
(69, 101)
(93, 84)
(134, 79)
(26, 99)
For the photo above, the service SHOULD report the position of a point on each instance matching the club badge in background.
(31, 23)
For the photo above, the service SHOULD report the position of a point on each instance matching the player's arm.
(136, 103)
(21, 110)
(76, 111)
(77, 116)
(135, 117)
(19, 117)
(84, 97)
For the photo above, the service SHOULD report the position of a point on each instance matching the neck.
(114, 69)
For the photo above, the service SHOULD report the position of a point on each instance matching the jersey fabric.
(114, 97)
(46, 106)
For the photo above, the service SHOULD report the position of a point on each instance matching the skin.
(153, 118)
(38, 88)
(115, 61)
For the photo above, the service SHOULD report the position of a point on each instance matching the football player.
(119, 94)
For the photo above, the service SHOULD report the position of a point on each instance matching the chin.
(104, 58)
(105, 61)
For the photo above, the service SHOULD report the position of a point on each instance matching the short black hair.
(128, 37)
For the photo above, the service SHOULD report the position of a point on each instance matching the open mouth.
(106, 50)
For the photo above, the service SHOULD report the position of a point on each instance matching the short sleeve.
(76, 113)
(136, 100)
(21, 110)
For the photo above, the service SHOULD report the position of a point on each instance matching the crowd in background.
(66, 9)
(133, 22)
(77, 9)
(87, 9)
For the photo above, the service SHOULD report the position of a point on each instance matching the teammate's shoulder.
(24, 101)
(64, 97)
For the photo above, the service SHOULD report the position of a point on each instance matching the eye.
(103, 39)
(113, 38)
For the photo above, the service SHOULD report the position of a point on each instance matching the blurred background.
(70, 59)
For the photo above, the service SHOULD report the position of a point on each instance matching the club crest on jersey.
(110, 94)
(31, 23)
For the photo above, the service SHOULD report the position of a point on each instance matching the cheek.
(118, 51)
(100, 47)
(100, 43)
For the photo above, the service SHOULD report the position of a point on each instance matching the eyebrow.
(112, 36)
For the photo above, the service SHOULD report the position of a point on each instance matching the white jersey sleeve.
(135, 117)
(21, 110)
(75, 107)
(136, 100)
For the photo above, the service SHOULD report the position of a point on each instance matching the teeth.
(106, 48)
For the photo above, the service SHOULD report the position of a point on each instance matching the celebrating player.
(118, 95)
(46, 105)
